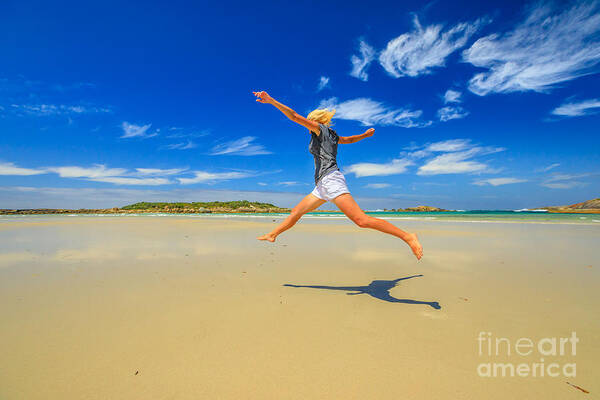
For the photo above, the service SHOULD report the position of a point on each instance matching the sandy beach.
(196, 308)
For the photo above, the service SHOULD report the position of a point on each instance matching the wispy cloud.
(371, 112)
(7, 168)
(498, 181)
(553, 44)
(547, 168)
(123, 180)
(141, 131)
(178, 133)
(451, 112)
(361, 63)
(323, 83)
(240, 147)
(21, 84)
(452, 96)
(160, 172)
(378, 185)
(97, 171)
(565, 181)
(452, 163)
(289, 183)
(449, 145)
(118, 176)
(423, 49)
(457, 158)
(212, 177)
(125, 176)
(182, 146)
(56, 109)
(577, 109)
(454, 156)
(396, 166)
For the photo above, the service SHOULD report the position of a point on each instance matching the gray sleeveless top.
(323, 147)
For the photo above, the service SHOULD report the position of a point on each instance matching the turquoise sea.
(483, 216)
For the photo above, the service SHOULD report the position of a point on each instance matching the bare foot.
(413, 242)
(268, 236)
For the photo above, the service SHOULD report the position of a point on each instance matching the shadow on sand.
(378, 289)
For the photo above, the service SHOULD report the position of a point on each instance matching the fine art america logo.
(550, 354)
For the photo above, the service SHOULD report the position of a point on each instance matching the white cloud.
(452, 96)
(7, 168)
(378, 185)
(453, 156)
(97, 171)
(182, 146)
(362, 62)
(212, 177)
(449, 145)
(577, 109)
(451, 112)
(553, 44)
(396, 166)
(563, 185)
(123, 176)
(262, 183)
(564, 181)
(444, 146)
(371, 112)
(123, 180)
(178, 133)
(451, 163)
(160, 172)
(323, 83)
(241, 147)
(118, 176)
(418, 52)
(289, 183)
(548, 168)
(57, 109)
(498, 181)
(132, 130)
(459, 162)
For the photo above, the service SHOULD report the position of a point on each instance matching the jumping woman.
(330, 182)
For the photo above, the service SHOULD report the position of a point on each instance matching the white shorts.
(331, 186)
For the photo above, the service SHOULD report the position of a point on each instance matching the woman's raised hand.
(263, 97)
(369, 132)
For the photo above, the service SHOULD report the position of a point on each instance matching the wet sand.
(191, 308)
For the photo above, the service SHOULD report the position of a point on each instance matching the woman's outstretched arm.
(263, 97)
(356, 138)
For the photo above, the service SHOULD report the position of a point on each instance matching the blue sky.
(475, 105)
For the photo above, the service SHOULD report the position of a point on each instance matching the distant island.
(586, 207)
(240, 206)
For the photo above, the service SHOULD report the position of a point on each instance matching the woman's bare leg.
(307, 204)
(346, 203)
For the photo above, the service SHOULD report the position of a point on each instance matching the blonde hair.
(321, 115)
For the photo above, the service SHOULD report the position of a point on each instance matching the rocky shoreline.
(586, 207)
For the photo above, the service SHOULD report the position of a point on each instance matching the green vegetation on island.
(238, 206)
(204, 207)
